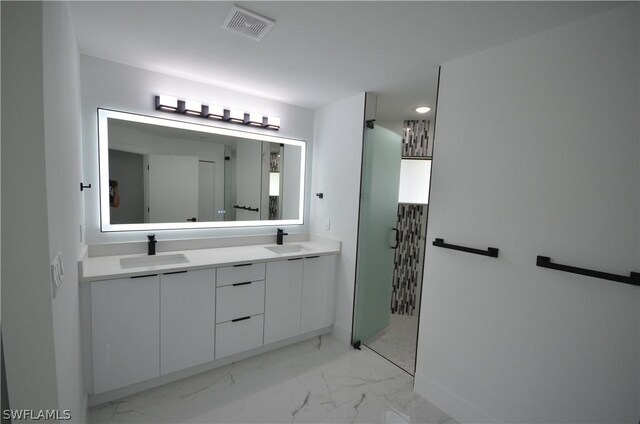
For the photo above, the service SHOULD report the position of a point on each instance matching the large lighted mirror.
(164, 174)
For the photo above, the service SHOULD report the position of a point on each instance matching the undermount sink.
(143, 261)
(286, 248)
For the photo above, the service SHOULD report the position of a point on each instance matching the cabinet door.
(283, 300)
(187, 319)
(317, 292)
(125, 331)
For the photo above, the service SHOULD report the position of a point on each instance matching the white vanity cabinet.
(149, 326)
(318, 281)
(125, 331)
(187, 318)
(282, 310)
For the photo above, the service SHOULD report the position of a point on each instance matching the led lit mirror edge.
(103, 165)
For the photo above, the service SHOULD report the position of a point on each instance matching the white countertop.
(108, 267)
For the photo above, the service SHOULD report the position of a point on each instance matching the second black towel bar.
(491, 251)
(633, 278)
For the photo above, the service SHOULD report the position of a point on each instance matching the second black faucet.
(280, 236)
(152, 244)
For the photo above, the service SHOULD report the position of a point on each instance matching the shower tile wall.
(407, 272)
(412, 221)
(415, 141)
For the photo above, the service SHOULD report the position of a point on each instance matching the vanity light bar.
(195, 108)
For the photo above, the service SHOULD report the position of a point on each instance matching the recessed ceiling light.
(423, 109)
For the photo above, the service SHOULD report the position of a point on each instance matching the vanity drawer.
(239, 336)
(240, 274)
(239, 300)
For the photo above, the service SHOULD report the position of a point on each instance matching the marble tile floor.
(319, 380)
(397, 342)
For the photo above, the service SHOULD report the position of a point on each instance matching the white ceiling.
(318, 52)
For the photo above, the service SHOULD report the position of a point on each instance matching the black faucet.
(152, 244)
(280, 235)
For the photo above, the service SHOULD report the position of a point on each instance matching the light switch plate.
(327, 224)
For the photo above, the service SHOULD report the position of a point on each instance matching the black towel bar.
(246, 208)
(633, 278)
(491, 251)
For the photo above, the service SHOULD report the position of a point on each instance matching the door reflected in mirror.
(160, 173)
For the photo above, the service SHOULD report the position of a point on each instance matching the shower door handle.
(397, 238)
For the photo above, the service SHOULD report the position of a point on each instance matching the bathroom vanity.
(148, 320)
(198, 303)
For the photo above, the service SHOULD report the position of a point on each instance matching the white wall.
(63, 150)
(115, 86)
(27, 327)
(337, 156)
(42, 171)
(536, 152)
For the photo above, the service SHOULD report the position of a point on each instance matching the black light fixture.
(196, 108)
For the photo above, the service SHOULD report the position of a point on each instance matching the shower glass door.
(376, 232)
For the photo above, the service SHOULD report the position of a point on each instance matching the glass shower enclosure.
(377, 235)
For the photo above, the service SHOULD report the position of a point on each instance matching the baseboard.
(458, 408)
(100, 398)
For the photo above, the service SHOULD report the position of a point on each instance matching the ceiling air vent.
(248, 23)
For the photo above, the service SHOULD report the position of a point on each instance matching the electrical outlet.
(327, 224)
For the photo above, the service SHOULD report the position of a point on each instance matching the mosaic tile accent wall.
(274, 162)
(412, 224)
(407, 272)
(415, 142)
